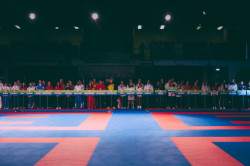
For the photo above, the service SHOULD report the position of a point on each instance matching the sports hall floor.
(124, 138)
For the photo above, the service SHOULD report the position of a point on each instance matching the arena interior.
(124, 83)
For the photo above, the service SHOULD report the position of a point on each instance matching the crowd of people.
(171, 100)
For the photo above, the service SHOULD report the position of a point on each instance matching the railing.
(170, 98)
(124, 92)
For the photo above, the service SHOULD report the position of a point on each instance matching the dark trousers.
(15, 103)
(179, 102)
(78, 101)
(111, 101)
(186, 101)
(241, 102)
(31, 102)
(5, 102)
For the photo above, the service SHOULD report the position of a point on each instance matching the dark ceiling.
(71, 12)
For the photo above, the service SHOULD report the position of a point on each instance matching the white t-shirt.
(148, 87)
(15, 88)
(30, 88)
(78, 88)
(232, 87)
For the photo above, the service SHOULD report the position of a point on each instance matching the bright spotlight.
(217, 69)
(168, 17)
(56, 27)
(199, 27)
(94, 16)
(32, 16)
(220, 28)
(75, 27)
(204, 13)
(17, 26)
(139, 27)
(162, 26)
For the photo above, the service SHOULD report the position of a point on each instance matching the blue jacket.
(40, 87)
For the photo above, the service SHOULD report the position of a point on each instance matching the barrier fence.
(125, 92)
(170, 98)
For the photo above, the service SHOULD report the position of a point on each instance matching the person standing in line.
(149, 87)
(39, 87)
(24, 88)
(83, 97)
(44, 83)
(162, 83)
(67, 97)
(50, 97)
(167, 98)
(62, 98)
(131, 98)
(214, 96)
(58, 97)
(31, 103)
(195, 98)
(111, 98)
(90, 98)
(241, 86)
(78, 98)
(49, 87)
(62, 85)
(71, 101)
(172, 94)
(122, 87)
(18, 83)
(101, 99)
(139, 86)
(222, 87)
(162, 98)
(187, 100)
(10, 97)
(179, 99)
(14, 88)
(71, 85)
(5, 97)
(206, 99)
(94, 85)
(232, 86)
(158, 97)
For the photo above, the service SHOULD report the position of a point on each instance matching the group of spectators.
(171, 100)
